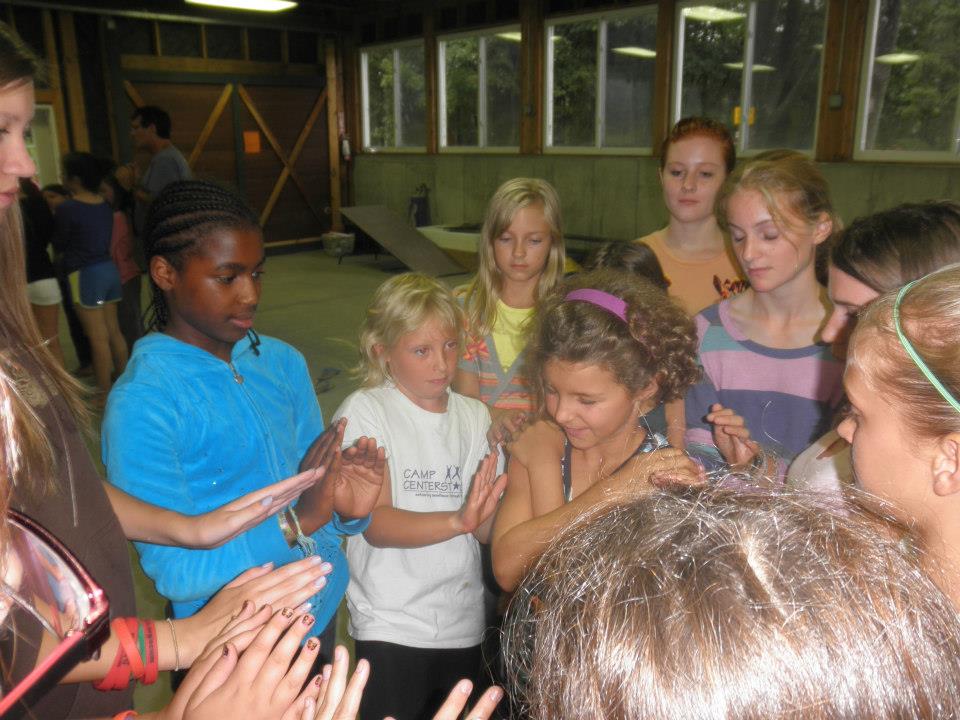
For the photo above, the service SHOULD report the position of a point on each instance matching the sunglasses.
(48, 604)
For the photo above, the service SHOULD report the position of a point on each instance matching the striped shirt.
(499, 388)
(787, 397)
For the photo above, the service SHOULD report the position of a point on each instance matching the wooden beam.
(663, 78)
(430, 84)
(531, 77)
(294, 156)
(268, 134)
(53, 71)
(204, 50)
(216, 66)
(107, 88)
(840, 82)
(133, 94)
(71, 70)
(157, 44)
(211, 123)
(333, 136)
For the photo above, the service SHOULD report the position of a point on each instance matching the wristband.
(289, 534)
(307, 545)
(176, 647)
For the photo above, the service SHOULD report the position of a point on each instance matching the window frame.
(395, 47)
(600, 84)
(482, 99)
(746, 86)
(866, 84)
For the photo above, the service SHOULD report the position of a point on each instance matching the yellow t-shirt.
(510, 332)
(697, 284)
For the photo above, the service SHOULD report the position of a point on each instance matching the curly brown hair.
(658, 341)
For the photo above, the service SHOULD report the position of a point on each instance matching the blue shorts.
(94, 285)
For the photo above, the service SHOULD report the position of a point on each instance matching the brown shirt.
(697, 284)
(78, 512)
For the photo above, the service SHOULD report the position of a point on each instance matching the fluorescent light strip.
(897, 58)
(511, 36)
(757, 68)
(257, 5)
(639, 52)
(709, 13)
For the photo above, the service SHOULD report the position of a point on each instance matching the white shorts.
(44, 292)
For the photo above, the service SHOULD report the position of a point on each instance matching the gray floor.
(315, 305)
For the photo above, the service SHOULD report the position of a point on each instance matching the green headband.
(914, 355)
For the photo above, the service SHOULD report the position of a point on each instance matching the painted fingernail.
(495, 694)
(312, 644)
(246, 604)
(287, 613)
(318, 680)
(465, 686)
(266, 501)
(307, 620)
(326, 567)
(226, 650)
(304, 608)
(327, 671)
(320, 582)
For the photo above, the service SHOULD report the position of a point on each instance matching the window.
(599, 80)
(762, 55)
(393, 96)
(910, 105)
(479, 90)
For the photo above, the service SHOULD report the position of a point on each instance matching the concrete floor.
(315, 305)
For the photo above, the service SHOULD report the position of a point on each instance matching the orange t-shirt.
(697, 284)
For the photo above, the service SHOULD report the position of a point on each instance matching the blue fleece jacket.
(181, 432)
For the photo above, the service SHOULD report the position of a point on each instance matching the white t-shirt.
(823, 467)
(428, 597)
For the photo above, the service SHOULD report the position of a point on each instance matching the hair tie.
(611, 303)
(914, 355)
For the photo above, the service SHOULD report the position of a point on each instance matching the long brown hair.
(22, 348)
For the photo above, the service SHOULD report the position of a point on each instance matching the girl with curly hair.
(606, 348)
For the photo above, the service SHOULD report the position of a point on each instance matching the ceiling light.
(511, 36)
(756, 68)
(639, 52)
(709, 13)
(259, 5)
(897, 58)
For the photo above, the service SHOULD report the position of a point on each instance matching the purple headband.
(611, 303)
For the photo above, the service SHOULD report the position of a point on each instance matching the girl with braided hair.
(606, 348)
(208, 411)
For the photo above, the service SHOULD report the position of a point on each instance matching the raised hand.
(666, 466)
(506, 426)
(359, 478)
(731, 436)
(216, 527)
(340, 699)
(485, 491)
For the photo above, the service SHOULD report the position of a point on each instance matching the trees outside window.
(393, 96)
(754, 65)
(910, 107)
(599, 80)
(479, 90)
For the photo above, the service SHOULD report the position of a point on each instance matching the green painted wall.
(612, 197)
